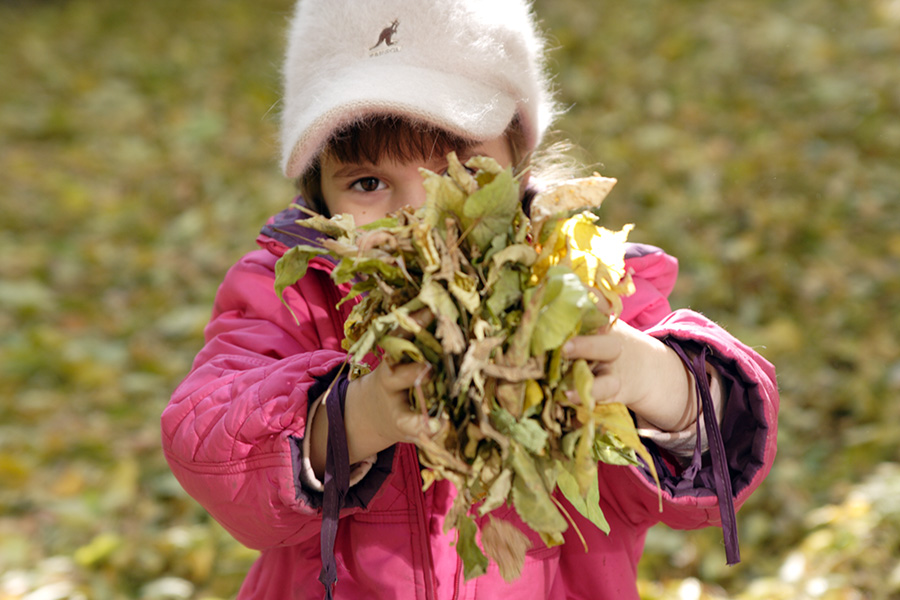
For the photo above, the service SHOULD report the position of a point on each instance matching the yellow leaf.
(613, 417)
(594, 253)
(534, 395)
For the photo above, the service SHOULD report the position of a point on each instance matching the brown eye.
(367, 184)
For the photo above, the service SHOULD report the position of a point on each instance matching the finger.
(424, 317)
(599, 368)
(417, 320)
(606, 387)
(405, 375)
(411, 425)
(602, 302)
(599, 347)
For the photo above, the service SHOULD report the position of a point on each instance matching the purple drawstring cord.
(336, 480)
(697, 366)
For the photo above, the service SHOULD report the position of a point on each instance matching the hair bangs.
(393, 138)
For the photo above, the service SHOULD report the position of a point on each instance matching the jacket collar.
(283, 227)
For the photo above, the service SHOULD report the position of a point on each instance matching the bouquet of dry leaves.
(510, 419)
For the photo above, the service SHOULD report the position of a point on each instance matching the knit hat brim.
(449, 101)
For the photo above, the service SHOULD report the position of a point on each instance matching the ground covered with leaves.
(758, 142)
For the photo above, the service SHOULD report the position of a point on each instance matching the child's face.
(370, 191)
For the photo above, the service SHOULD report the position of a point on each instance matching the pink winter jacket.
(233, 434)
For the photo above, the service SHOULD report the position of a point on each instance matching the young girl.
(373, 92)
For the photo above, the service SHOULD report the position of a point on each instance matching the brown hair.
(394, 138)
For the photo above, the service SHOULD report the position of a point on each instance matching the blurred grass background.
(757, 141)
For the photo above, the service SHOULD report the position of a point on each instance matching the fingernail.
(568, 347)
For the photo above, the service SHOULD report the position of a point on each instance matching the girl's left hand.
(639, 371)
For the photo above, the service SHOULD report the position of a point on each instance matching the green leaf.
(569, 442)
(336, 226)
(291, 267)
(435, 297)
(554, 368)
(588, 505)
(564, 305)
(349, 269)
(445, 198)
(491, 209)
(498, 493)
(520, 342)
(400, 349)
(377, 329)
(486, 168)
(359, 288)
(531, 498)
(383, 223)
(609, 449)
(528, 432)
(460, 174)
(531, 435)
(474, 561)
(517, 253)
(506, 291)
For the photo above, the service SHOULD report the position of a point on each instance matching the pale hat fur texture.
(466, 66)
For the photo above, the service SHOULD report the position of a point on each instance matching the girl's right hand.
(380, 399)
(377, 413)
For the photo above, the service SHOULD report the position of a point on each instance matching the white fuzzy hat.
(466, 66)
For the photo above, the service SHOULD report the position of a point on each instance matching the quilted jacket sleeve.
(228, 428)
(749, 419)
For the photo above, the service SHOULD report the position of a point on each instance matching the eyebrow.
(348, 170)
(465, 154)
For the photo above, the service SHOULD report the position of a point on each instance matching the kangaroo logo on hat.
(387, 35)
